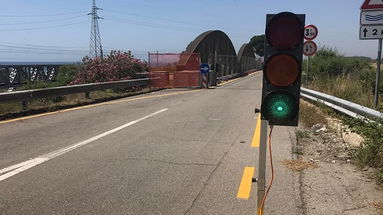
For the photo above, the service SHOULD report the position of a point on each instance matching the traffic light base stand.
(262, 166)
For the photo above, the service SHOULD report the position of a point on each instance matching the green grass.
(302, 134)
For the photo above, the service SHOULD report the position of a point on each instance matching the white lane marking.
(16, 166)
(30, 164)
(23, 166)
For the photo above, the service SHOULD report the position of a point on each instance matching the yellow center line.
(257, 133)
(227, 82)
(96, 105)
(246, 182)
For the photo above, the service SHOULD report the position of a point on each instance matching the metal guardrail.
(352, 109)
(26, 95)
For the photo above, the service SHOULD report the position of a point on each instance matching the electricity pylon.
(95, 49)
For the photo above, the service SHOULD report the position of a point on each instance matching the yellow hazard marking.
(227, 82)
(96, 105)
(245, 186)
(257, 133)
(260, 211)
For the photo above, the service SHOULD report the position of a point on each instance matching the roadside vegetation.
(371, 152)
(350, 78)
(116, 66)
(353, 79)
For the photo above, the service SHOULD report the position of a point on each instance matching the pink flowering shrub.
(114, 67)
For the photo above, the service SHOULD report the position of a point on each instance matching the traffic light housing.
(282, 68)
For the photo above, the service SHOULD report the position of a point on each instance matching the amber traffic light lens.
(285, 31)
(282, 70)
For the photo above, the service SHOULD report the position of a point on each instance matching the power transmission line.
(44, 15)
(163, 19)
(41, 28)
(151, 25)
(45, 21)
(39, 49)
(39, 46)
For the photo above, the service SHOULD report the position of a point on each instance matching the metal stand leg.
(262, 165)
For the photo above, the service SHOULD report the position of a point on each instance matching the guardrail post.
(87, 95)
(24, 105)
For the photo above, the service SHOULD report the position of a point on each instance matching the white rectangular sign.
(372, 17)
(371, 32)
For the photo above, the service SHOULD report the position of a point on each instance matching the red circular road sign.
(309, 48)
(311, 32)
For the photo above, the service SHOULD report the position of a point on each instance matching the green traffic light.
(280, 107)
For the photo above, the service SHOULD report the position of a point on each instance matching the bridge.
(215, 47)
(16, 74)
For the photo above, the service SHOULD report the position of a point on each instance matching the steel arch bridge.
(216, 48)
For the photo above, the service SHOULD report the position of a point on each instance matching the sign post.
(371, 28)
(310, 47)
(204, 68)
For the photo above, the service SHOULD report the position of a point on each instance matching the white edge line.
(23, 166)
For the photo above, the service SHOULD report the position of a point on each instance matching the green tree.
(258, 42)
(67, 73)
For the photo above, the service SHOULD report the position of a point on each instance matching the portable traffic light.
(282, 68)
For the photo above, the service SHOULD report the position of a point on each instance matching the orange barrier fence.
(172, 70)
(163, 79)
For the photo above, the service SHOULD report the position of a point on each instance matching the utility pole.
(95, 48)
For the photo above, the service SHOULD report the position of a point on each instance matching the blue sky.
(52, 30)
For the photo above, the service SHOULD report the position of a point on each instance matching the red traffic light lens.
(282, 70)
(285, 31)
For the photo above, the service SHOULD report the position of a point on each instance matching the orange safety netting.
(172, 70)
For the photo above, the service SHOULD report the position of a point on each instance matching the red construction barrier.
(174, 70)
(186, 78)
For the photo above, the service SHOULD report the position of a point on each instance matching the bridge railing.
(16, 74)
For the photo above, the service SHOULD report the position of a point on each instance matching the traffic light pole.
(307, 73)
(262, 165)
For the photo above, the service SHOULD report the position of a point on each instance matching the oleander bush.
(116, 66)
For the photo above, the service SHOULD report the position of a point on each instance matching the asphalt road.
(168, 152)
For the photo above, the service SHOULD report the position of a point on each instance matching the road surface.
(169, 152)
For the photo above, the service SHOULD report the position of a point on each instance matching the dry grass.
(298, 165)
(378, 206)
(310, 115)
(347, 87)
